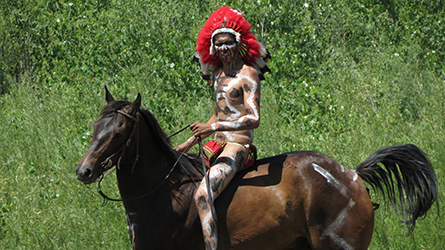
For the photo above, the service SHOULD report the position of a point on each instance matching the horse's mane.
(188, 166)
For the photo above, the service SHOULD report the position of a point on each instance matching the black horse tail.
(414, 177)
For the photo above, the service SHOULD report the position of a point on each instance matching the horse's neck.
(168, 201)
(166, 218)
(146, 165)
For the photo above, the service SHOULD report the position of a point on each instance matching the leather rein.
(108, 163)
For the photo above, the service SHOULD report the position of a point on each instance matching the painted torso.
(237, 103)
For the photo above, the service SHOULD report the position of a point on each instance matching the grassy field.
(342, 83)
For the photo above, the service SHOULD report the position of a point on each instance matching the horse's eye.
(117, 136)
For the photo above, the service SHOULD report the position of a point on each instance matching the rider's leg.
(220, 174)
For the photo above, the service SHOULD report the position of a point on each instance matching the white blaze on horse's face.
(107, 138)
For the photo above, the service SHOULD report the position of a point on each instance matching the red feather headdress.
(228, 20)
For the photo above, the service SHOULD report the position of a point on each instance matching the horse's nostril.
(87, 172)
(83, 173)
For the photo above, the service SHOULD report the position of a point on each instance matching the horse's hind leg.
(339, 214)
(349, 228)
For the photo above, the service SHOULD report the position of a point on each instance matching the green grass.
(342, 83)
(43, 206)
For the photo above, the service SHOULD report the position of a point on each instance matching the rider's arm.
(184, 147)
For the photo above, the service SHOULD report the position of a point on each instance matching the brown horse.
(297, 200)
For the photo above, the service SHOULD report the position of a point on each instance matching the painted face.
(226, 47)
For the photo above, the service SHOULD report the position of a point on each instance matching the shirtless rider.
(228, 49)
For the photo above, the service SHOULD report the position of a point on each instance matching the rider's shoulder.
(249, 72)
(249, 76)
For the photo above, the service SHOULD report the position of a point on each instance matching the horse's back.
(302, 200)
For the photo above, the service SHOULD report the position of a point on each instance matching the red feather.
(251, 50)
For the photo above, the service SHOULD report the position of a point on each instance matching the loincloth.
(213, 149)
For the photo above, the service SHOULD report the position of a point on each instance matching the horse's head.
(111, 134)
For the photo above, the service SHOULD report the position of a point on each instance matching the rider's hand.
(182, 148)
(200, 128)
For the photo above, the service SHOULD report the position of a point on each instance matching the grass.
(44, 134)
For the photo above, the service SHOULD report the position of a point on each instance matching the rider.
(227, 48)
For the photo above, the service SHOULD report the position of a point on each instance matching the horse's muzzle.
(84, 174)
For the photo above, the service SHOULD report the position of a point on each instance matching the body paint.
(337, 224)
(234, 121)
(225, 47)
(330, 231)
(332, 180)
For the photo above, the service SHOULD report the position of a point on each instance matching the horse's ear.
(136, 105)
(108, 95)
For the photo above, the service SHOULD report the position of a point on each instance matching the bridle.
(108, 163)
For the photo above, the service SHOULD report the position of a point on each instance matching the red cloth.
(212, 150)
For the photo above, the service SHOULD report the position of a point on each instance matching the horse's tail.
(407, 169)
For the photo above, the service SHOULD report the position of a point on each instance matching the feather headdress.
(228, 20)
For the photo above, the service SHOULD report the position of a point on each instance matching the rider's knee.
(201, 198)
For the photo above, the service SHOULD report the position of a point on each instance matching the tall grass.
(43, 137)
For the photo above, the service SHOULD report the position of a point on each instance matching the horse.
(296, 200)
